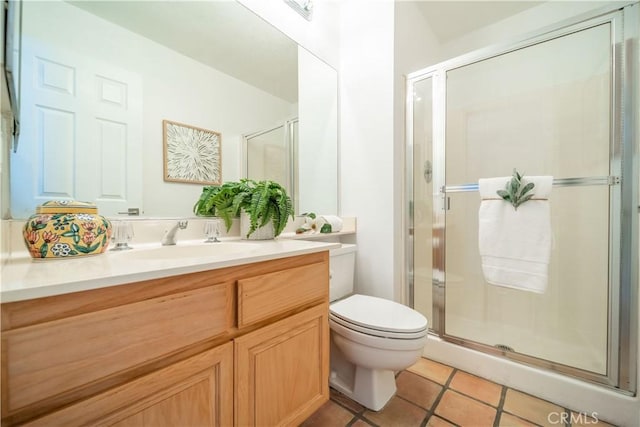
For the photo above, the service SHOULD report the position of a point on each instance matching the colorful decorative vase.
(66, 228)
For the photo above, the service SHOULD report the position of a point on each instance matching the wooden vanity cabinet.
(282, 370)
(194, 392)
(244, 345)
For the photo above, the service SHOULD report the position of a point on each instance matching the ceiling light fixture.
(303, 7)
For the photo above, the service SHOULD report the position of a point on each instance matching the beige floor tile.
(465, 411)
(476, 387)
(531, 408)
(361, 423)
(352, 405)
(420, 386)
(582, 419)
(508, 420)
(330, 415)
(438, 422)
(417, 389)
(432, 370)
(397, 413)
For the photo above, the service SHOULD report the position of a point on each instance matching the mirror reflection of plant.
(263, 201)
(514, 192)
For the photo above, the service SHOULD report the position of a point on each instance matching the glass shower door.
(272, 154)
(544, 109)
(420, 242)
(560, 103)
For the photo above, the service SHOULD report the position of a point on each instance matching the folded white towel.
(334, 220)
(515, 245)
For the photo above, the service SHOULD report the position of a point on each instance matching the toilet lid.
(378, 314)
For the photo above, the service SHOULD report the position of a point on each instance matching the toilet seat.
(378, 317)
(375, 333)
(376, 343)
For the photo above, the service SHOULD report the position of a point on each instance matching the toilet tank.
(342, 263)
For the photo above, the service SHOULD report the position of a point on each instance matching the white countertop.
(24, 278)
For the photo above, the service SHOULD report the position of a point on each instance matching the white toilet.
(371, 337)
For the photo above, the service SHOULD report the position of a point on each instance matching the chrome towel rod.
(559, 182)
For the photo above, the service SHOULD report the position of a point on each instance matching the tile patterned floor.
(431, 394)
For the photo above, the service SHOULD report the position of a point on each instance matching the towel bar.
(559, 182)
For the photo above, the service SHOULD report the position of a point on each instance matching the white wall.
(367, 146)
(415, 47)
(362, 46)
(175, 88)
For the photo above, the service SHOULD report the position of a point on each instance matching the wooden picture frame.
(191, 154)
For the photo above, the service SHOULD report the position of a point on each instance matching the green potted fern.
(263, 206)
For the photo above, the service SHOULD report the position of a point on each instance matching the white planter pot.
(265, 232)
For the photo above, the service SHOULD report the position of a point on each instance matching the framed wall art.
(191, 154)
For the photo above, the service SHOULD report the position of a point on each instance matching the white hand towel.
(335, 221)
(515, 245)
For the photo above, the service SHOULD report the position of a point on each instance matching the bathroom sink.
(203, 250)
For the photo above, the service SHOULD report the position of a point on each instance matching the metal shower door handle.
(427, 171)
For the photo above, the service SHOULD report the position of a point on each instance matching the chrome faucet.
(169, 237)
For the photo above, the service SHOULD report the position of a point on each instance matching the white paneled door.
(81, 132)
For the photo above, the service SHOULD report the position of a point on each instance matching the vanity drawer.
(53, 358)
(268, 295)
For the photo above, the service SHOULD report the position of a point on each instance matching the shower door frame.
(623, 258)
(291, 141)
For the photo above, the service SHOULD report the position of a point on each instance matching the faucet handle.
(182, 224)
(122, 234)
(212, 231)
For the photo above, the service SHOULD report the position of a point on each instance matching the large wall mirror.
(99, 78)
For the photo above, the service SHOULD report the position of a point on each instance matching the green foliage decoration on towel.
(514, 192)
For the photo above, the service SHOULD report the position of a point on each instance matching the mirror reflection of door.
(81, 131)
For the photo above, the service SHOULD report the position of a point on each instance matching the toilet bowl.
(371, 338)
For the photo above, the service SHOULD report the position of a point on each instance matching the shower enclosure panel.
(548, 105)
(420, 188)
(271, 155)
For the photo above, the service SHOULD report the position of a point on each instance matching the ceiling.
(222, 34)
(227, 36)
(452, 19)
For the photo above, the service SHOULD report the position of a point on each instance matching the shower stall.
(271, 154)
(561, 103)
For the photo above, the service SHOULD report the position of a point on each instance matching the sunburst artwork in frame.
(191, 154)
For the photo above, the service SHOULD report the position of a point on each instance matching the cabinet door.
(282, 370)
(194, 392)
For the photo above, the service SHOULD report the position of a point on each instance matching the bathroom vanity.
(241, 340)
